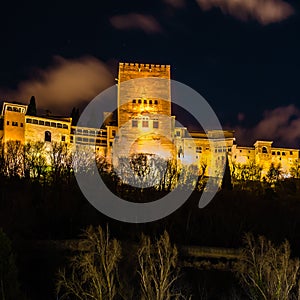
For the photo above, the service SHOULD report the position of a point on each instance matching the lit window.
(134, 123)
(155, 124)
(145, 124)
(47, 136)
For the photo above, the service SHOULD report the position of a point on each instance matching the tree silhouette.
(31, 110)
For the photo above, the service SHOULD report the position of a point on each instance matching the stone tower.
(144, 109)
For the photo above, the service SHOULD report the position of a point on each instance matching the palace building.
(144, 123)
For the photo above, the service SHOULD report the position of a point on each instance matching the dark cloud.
(264, 11)
(64, 84)
(175, 3)
(147, 23)
(281, 124)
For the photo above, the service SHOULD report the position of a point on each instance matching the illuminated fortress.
(142, 113)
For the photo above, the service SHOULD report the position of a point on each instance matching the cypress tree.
(31, 111)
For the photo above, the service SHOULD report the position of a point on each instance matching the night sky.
(243, 56)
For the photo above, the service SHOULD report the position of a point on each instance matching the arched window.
(264, 150)
(140, 101)
(47, 136)
(133, 101)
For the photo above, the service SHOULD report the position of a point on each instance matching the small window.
(59, 125)
(63, 138)
(133, 101)
(273, 153)
(78, 139)
(155, 102)
(134, 123)
(21, 124)
(92, 141)
(145, 124)
(283, 153)
(97, 141)
(53, 124)
(41, 123)
(240, 151)
(71, 138)
(9, 108)
(85, 140)
(113, 133)
(177, 133)
(47, 136)
(110, 144)
(140, 101)
(65, 126)
(28, 121)
(78, 131)
(35, 121)
(198, 149)
(291, 152)
(155, 124)
(14, 123)
(85, 132)
(145, 101)
(264, 150)
(150, 101)
(47, 123)
(278, 152)
(7, 122)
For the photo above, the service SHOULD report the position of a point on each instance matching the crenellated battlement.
(140, 67)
